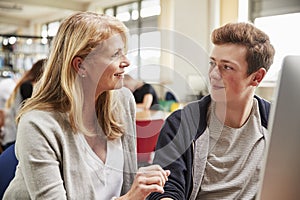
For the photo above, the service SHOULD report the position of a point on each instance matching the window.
(141, 18)
(150, 8)
(264, 8)
(279, 19)
(49, 30)
(284, 32)
(127, 12)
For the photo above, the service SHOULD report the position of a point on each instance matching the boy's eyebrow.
(225, 61)
(229, 62)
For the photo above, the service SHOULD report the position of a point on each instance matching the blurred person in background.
(22, 90)
(144, 94)
(7, 85)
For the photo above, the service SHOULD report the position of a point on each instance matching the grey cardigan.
(47, 147)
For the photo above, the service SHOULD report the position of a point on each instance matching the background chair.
(8, 164)
(147, 135)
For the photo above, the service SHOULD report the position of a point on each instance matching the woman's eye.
(117, 54)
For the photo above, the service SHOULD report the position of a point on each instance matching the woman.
(73, 142)
(21, 92)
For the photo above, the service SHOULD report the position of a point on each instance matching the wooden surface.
(151, 114)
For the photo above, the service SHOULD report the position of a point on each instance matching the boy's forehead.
(229, 51)
(232, 53)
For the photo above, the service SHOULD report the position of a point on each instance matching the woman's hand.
(148, 179)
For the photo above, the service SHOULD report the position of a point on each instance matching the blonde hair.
(60, 90)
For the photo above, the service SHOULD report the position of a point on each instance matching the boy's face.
(228, 77)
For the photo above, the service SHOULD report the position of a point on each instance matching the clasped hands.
(147, 179)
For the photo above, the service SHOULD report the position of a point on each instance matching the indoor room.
(167, 50)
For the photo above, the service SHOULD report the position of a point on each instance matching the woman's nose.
(125, 62)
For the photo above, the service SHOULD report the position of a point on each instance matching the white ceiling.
(22, 13)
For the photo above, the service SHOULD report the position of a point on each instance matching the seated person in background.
(215, 147)
(144, 94)
(76, 135)
(1, 124)
(1, 119)
(21, 92)
(7, 86)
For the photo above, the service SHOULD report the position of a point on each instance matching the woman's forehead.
(115, 41)
(107, 46)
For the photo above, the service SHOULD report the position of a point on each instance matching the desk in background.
(151, 114)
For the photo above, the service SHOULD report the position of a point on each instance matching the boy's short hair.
(260, 52)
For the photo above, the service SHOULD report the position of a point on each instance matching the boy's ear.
(258, 76)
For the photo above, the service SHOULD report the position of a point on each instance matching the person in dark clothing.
(214, 147)
(144, 94)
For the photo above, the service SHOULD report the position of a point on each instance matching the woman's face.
(105, 66)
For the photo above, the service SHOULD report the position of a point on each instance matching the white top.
(9, 130)
(107, 178)
(7, 85)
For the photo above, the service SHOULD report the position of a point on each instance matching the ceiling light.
(29, 41)
(12, 40)
(44, 40)
(5, 41)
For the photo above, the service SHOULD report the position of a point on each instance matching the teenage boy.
(214, 147)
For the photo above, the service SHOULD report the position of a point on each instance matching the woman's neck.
(97, 139)
(98, 144)
(89, 117)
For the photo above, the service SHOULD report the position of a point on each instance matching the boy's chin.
(218, 96)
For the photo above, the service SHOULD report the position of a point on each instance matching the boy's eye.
(227, 67)
(212, 63)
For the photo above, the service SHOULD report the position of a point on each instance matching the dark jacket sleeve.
(173, 152)
(174, 148)
(264, 110)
